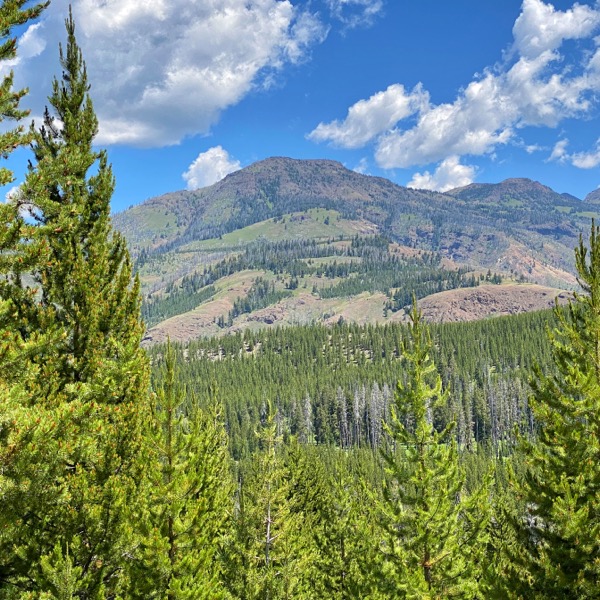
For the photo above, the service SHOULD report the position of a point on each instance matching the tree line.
(334, 384)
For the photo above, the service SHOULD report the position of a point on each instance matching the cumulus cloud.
(537, 85)
(450, 174)
(368, 118)
(559, 152)
(541, 28)
(354, 13)
(209, 167)
(162, 70)
(582, 160)
(587, 160)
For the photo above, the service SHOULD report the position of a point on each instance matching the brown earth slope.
(471, 304)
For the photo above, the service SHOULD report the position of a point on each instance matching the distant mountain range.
(519, 229)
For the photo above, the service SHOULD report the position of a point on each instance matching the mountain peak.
(513, 189)
(287, 171)
(593, 197)
(283, 161)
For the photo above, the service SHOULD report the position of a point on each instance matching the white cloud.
(209, 167)
(362, 167)
(541, 28)
(30, 45)
(531, 148)
(368, 118)
(305, 31)
(581, 160)
(537, 86)
(475, 123)
(162, 70)
(559, 152)
(13, 194)
(450, 174)
(354, 13)
(587, 160)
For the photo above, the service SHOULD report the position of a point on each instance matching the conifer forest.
(345, 461)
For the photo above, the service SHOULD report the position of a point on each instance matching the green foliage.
(330, 489)
(161, 308)
(12, 14)
(261, 294)
(105, 495)
(436, 530)
(558, 550)
(269, 554)
(332, 269)
(72, 374)
(322, 379)
(59, 260)
(188, 497)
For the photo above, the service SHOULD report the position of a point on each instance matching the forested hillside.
(334, 385)
(399, 460)
(290, 282)
(331, 243)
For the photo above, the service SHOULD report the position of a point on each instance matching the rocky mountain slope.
(593, 197)
(259, 223)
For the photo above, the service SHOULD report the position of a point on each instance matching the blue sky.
(428, 93)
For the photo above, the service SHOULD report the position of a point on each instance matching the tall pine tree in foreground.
(12, 14)
(188, 499)
(70, 363)
(557, 554)
(436, 534)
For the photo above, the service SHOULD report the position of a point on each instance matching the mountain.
(301, 240)
(264, 190)
(593, 197)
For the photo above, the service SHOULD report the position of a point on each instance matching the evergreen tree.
(188, 498)
(71, 368)
(12, 14)
(435, 531)
(268, 555)
(558, 549)
(66, 268)
(337, 509)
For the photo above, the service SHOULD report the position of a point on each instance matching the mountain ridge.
(277, 216)
(457, 223)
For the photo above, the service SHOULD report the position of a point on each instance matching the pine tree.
(66, 269)
(435, 531)
(188, 498)
(268, 554)
(71, 367)
(558, 549)
(338, 512)
(12, 14)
